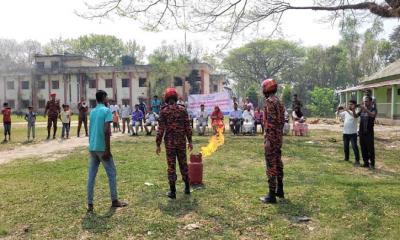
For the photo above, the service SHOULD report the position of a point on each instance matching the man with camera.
(367, 115)
(350, 131)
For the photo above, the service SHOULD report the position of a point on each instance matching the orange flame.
(215, 141)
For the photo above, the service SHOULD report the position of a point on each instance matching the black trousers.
(368, 148)
(347, 139)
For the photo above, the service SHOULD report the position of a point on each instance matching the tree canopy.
(228, 16)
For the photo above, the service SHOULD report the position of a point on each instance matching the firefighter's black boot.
(279, 191)
(172, 192)
(187, 187)
(270, 198)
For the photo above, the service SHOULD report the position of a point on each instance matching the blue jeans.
(94, 162)
(65, 129)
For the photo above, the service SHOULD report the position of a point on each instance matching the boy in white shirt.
(350, 131)
(65, 117)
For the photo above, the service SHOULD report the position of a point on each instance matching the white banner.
(222, 100)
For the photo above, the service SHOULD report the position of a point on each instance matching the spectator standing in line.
(156, 105)
(126, 117)
(30, 118)
(6, 112)
(65, 117)
(82, 117)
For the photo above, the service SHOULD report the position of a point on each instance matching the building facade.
(385, 87)
(72, 77)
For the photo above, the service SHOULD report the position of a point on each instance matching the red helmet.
(269, 85)
(170, 92)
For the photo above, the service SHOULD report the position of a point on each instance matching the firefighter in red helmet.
(174, 127)
(274, 120)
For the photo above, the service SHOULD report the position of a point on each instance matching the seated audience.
(235, 119)
(150, 121)
(217, 119)
(202, 121)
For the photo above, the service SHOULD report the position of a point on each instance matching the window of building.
(126, 101)
(215, 88)
(142, 82)
(25, 84)
(10, 85)
(92, 103)
(92, 83)
(41, 84)
(109, 83)
(40, 65)
(125, 82)
(25, 103)
(178, 82)
(55, 84)
(11, 103)
(55, 65)
(42, 103)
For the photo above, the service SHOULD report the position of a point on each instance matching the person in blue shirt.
(100, 150)
(235, 119)
(137, 120)
(156, 105)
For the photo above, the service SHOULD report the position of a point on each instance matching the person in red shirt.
(217, 119)
(6, 112)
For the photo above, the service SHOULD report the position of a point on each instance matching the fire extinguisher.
(196, 169)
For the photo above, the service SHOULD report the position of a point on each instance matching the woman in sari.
(300, 126)
(217, 119)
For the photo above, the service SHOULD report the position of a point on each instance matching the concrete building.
(73, 76)
(385, 87)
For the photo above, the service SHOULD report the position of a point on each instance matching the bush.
(323, 102)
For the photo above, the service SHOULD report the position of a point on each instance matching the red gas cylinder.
(196, 169)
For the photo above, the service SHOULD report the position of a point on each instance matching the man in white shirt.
(150, 120)
(202, 120)
(235, 119)
(350, 131)
(248, 121)
(126, 117)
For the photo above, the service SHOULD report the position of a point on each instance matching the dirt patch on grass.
(51, 150)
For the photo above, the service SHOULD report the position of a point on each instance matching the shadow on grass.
(179, 207)
(98, 223)
(292, 210)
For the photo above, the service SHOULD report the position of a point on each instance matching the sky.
(43, 20)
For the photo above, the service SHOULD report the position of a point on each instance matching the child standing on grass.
(65, 117)
(115, 119)
(6, 112)
(30, 118)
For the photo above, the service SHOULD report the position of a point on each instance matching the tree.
(261, 59)
(135, 51)
(17, 56)
(252, 94)
(166, 65)
(395, 44)
(287, 95)
(59, 46)
(323, 102)
(106, 49)
(231, 17)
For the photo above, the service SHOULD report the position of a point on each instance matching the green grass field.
(46, 200)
